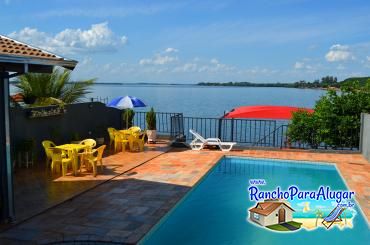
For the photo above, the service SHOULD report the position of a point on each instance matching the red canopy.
(265, 112)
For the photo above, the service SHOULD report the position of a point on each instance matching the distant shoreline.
(256, 85)
(325, 83)
(187, 84)
(304, 85)
(202, 85)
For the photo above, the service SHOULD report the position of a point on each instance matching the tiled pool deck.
(36, 189)
(125, 208)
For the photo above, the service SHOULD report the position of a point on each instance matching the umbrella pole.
(126, 119)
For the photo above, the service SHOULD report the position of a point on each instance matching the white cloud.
(306, 66)
(298, 65)
(171, 50)
(339, 52)
(187, 67)
(158, 60)
(214, 61)
(161, 58)
(98, 38)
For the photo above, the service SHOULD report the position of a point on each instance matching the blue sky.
(195, 41)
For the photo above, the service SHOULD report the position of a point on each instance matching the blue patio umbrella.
(127, 102)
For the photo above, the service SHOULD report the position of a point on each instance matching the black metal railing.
(103, 100)
(247, 132)
(163, 121)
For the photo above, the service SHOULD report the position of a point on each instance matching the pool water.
(216, 210)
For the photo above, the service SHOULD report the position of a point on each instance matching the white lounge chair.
(199, 142)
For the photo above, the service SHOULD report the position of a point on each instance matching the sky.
(195, 41)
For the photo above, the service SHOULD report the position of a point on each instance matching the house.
(271, 212)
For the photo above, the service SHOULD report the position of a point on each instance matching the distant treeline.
(325, 82)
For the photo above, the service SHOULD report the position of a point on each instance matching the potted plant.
(151, 123)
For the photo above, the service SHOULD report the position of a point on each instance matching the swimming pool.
(216, 210)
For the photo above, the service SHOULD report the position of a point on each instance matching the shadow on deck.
(36, 189)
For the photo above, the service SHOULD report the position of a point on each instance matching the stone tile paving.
(125, 208)
(36, 189)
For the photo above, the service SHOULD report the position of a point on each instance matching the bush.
(151, 120)
(336, 120)
(303, 129)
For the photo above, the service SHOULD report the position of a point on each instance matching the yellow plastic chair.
(47, 144)
(135, 129)
(120, 141)
(59, 158)
(111, 132)
(89, 142)
(94, 160)
(137, 139)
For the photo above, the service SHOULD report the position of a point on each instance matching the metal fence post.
(232, 130)
(273, 137)
(219, 128)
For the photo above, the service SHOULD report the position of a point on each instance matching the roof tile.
(11, 47)
(266, 208)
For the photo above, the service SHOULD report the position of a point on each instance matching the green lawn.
(277, 227)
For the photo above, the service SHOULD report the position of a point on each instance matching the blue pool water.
(216, 210)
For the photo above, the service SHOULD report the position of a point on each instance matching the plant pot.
(152, 136)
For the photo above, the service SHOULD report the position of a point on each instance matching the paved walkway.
(127, 207)
(289, 226)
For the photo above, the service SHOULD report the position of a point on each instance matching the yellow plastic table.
(73, 149)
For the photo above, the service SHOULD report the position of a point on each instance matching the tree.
(54, 88)
(302, 129)
(318, 214)
(336, 120)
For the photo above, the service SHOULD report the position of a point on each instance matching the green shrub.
(336, 120)
(151, 120)
(303, 129)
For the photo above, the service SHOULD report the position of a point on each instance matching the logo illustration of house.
(271, 212)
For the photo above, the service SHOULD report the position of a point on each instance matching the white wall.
(365, 136)
(260, 221)
(273, 218)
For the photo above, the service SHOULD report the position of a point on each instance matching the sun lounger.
(334, 216)
(199, 142)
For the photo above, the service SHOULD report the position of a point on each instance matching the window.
(256, 216)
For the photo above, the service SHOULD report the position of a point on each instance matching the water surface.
(207, 101)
